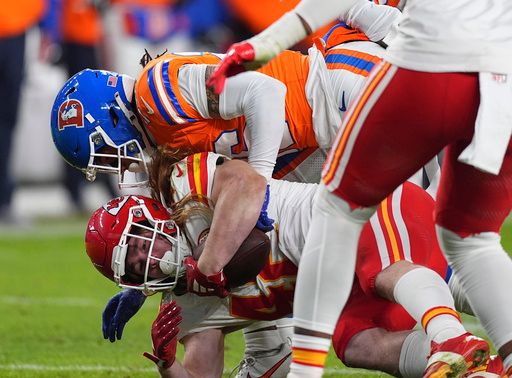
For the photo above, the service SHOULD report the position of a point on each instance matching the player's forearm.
(307, 17)
(318, 13)
(261, 100)
(237, 207)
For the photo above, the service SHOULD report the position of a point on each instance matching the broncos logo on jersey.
(71, 113)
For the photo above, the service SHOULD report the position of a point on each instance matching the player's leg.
(472, 206)
(391, 132)
(373, 333)
(204, 353)
(425, 296)
(267, 349)
(397, 255)
(377, 349)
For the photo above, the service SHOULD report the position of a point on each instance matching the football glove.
(202, 285)
(119, 309)
(237, 59)
(164, 334)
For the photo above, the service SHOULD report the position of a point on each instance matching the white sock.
(427, 298)
(485, 272)
(308, 356)
(285, 329)
(262, 336)
(326, 268)
(414, 355)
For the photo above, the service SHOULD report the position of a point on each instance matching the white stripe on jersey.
(381, 241)
(163, 95)
(400, 224)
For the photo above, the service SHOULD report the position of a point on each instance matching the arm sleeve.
(373, 20)
(261, 99)
(318, 13)
(191, 82)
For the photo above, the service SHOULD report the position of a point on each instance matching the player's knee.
(456, 244)
(376, 349)
(365, 349)
(387, 279)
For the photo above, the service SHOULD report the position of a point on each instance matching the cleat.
(492, 369)
(454, 357)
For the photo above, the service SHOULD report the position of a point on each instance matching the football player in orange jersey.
(373, 321)
(287, 106)
(102, 121)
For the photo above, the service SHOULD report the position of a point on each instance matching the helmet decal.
(112, 81)
(115, 205)
(71, 113)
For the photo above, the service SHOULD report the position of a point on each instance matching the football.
(248, 261)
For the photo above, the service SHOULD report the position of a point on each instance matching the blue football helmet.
(95, 129)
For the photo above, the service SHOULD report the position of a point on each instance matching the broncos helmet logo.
(71, 113)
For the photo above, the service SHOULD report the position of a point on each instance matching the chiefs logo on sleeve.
(71, 113)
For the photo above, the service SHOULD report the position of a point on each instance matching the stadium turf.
(51, 299)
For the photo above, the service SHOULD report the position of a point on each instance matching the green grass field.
(51, 299)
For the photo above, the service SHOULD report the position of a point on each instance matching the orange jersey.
(19, 15)
(341, 33)
(172, 121)
(81, 22)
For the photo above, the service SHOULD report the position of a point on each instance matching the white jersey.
(290, 206)
(453, 36)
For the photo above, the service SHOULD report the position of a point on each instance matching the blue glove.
(120, 308)
(264, 223)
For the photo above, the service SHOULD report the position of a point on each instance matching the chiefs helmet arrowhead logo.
(115, 205)
(71, 113)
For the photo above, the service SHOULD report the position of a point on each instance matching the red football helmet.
(112, 226)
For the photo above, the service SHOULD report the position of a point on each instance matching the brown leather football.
(248, 261)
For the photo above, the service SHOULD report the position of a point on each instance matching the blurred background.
(44, 42)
